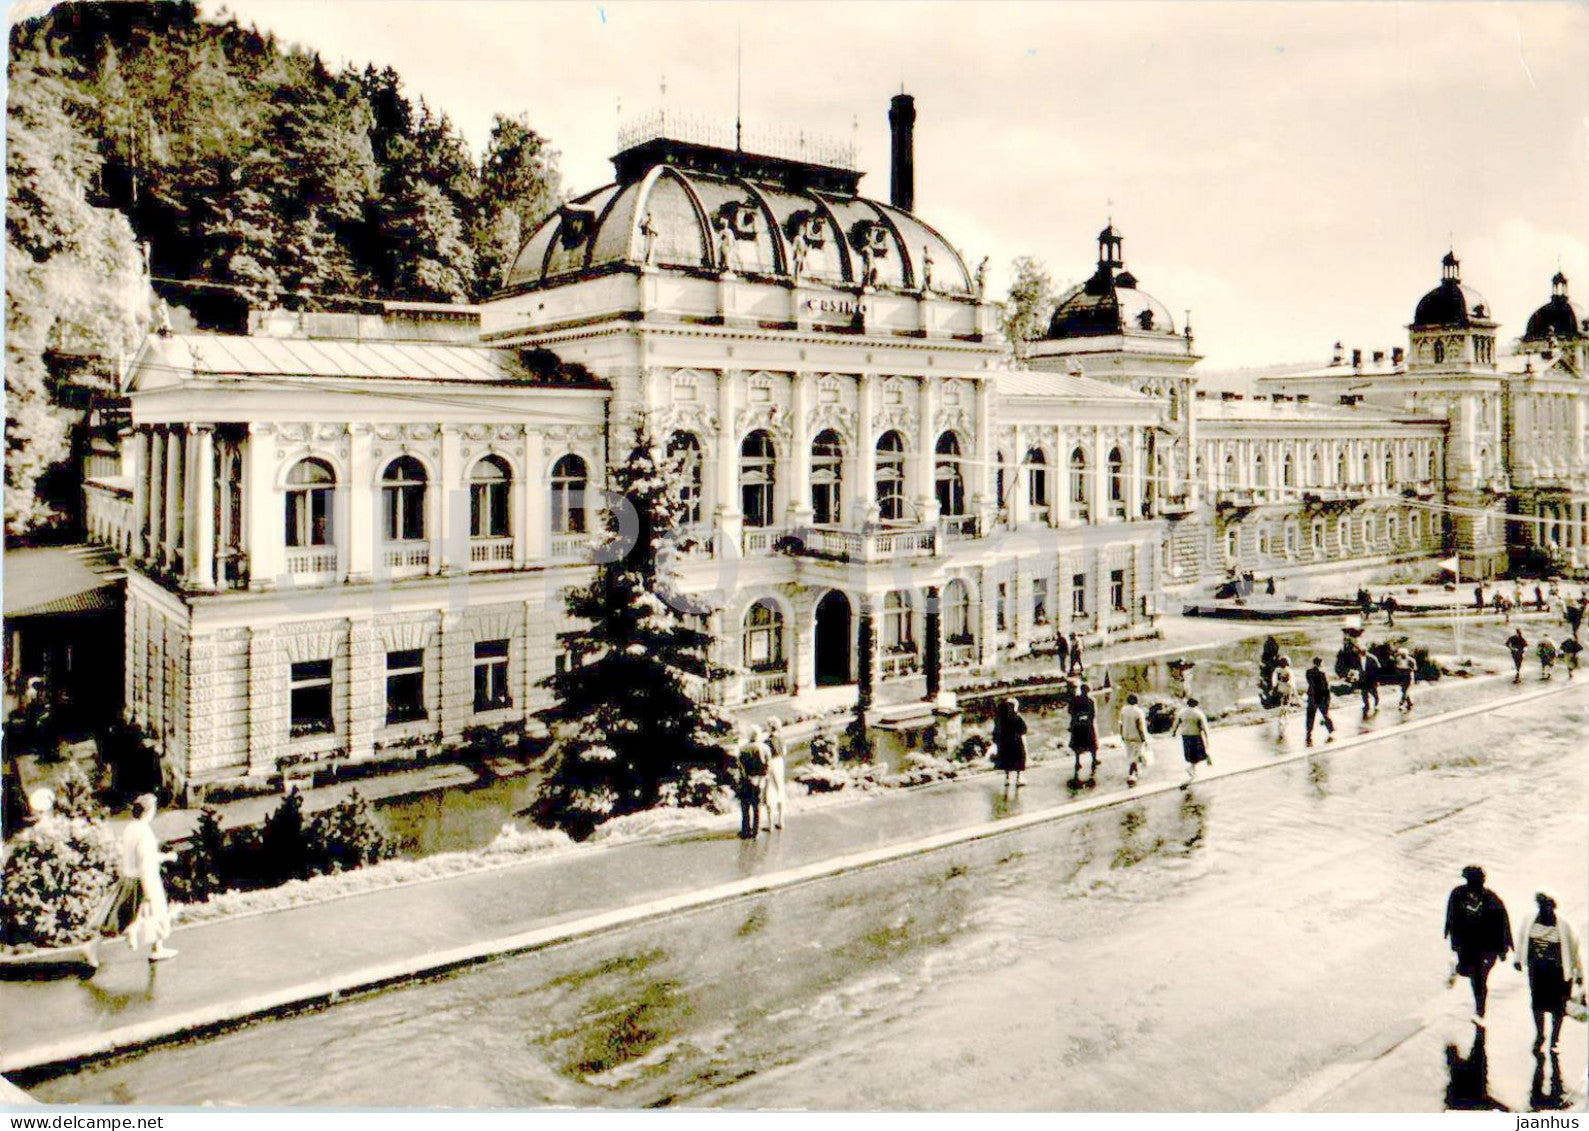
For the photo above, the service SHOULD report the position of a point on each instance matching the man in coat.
(1318, 699)
(1480, 934)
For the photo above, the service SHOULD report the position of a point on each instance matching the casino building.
(352, 539)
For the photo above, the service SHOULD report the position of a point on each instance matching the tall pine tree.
(632, 722)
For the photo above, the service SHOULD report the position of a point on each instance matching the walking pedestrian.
(1318, 700)
(1368, 683)
(777, 789)
(1075, 656)
(1134, 734)
(1062, 650)
(1009, 742)
(136, 905)
(1555, 965)
(1285, 690)
(1569, 652)
(752, 770)
(1478, 596)
(1192, 725)
(1573, 612)
(1539, 597)
(1480, 934)
(1389, 605)
(1547, 658)
(1517, 645)
(1084, 730)
(1406, 675)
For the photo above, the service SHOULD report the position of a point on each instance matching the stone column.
(800, 453)
(1134, 477)
(865, 452)
(866, 650)
(728, 517)
(266, 535)
(157, 494)
(356, 531)
(172, 507)
(201, 532)
(926, 454)
(983, 496)
(933, 644)
(140, 494)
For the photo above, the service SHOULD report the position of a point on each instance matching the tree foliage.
(632, 724)
(1029, 305)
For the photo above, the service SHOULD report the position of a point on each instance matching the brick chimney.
(902, 123)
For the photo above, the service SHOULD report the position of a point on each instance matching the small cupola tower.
(1453, 328)
(1110, 249)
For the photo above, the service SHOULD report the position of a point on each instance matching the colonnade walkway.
(252, 967)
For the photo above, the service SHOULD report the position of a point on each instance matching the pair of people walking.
(760, 780)
(1546, 947)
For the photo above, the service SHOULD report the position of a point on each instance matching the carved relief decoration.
(835, 416)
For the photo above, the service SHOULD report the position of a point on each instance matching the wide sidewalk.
(269, 963)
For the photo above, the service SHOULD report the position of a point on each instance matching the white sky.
(1291, 172)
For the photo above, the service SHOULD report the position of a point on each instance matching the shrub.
(698, 787)
(284, 851)
(74, 794)
(348, 836)
(55, 875)
(830, 779)
(973, 749)
(824, 750)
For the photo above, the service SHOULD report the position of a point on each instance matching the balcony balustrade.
(877, 545)
(491, 553)
(957, 656)
(403, 556)
(958, 527)
(765, 685)
(898, 665)
(570, 547)
(311, 562)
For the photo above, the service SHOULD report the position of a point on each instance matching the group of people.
(760, 782)
(1010, 731)
(1546, 947)
(1367, 668)
(1548, 652)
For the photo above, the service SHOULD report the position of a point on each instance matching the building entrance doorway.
(833, 639)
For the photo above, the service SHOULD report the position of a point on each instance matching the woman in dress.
(773, 795)
(1549, 946)
(1084, 729)
(1009, 742)
(136, 905)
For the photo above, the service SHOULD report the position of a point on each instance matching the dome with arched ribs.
(1452, 303)
(675, 211)
(1557, 317)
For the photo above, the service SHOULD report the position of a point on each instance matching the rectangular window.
(1293, 536)
(311, 698)
(405, 685)
(1040, 600)
(1232, 543)
(1390, 528)
(491, 676)
(1117, 590)
(1265, 542)
(1318, 535)
(1078, 594)
(1001, 609)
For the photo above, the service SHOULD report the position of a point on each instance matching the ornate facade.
(343, 548)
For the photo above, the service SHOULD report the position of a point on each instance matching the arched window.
(1260, 471)
(1288, 471)
(1368, 469)
(956, 610)
(1390, 467)
(490, 489)
(1078, 486)
(898, 635)
(827, 478)
(1117, 483)
(310, 486)
(947, 478)
(891, 477)
(1230, 477)
(764, 637)
(403, 498)
(1037, 482)
(1440, 352)
(684, 461)
(1341, 474)
(569, 481)
(758, 476)
(1433, 467)
(1315, 468)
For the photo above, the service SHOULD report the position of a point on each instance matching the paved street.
(1269, 939)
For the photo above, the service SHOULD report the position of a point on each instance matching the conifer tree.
(632, 722)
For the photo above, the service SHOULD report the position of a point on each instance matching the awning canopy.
(55, 580)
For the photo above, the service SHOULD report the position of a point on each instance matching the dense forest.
(234, 171)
